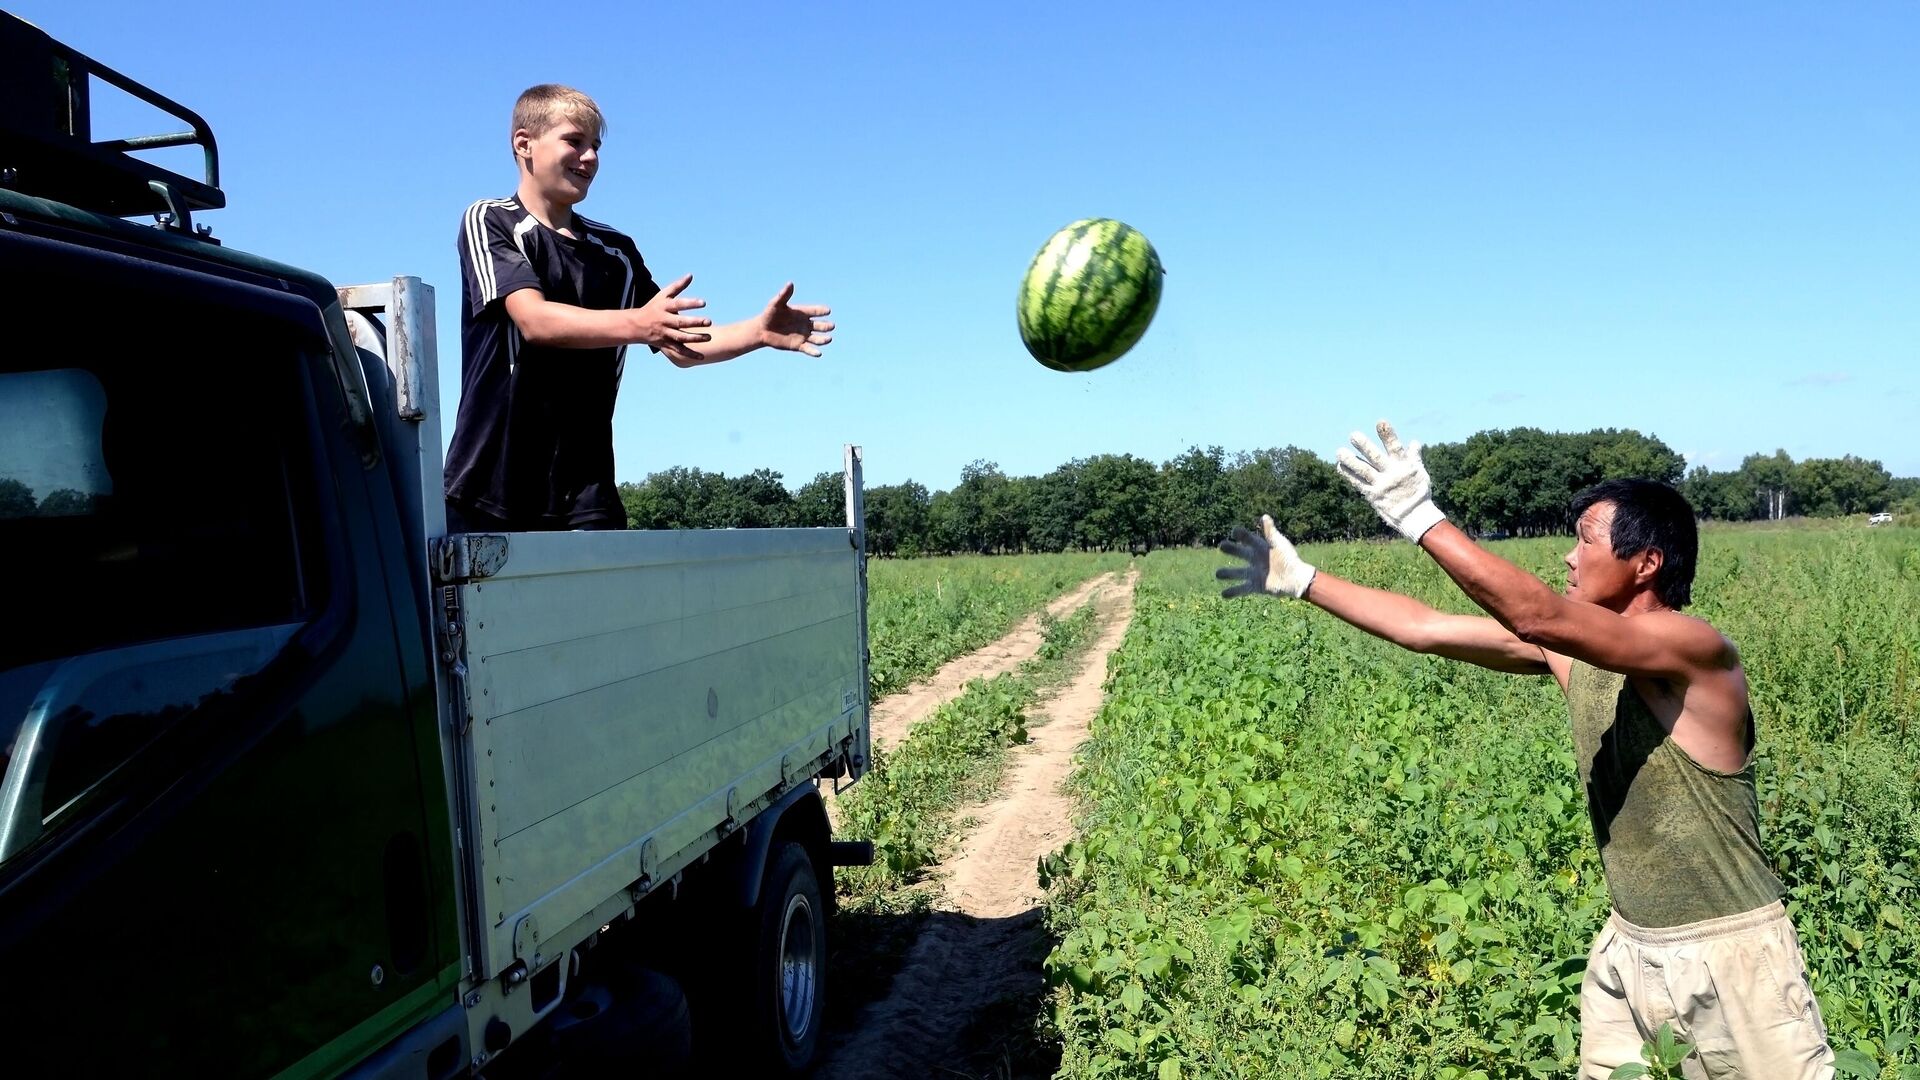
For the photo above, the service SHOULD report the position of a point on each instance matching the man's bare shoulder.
(1693, 637)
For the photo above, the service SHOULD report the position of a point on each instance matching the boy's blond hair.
(543, 106)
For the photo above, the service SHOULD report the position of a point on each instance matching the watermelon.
(1089, 294)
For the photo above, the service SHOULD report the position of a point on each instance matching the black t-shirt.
(533, 439)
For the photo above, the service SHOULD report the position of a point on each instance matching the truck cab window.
(153, 486)
(50, 460)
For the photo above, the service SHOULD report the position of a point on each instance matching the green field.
(922, 613)
(1307, 853)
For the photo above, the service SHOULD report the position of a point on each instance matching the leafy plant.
(1307, 853)
(1660, 1058)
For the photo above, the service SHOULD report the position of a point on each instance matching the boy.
(550, 302)
(1664, 735)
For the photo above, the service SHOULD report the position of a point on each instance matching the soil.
(969, 987)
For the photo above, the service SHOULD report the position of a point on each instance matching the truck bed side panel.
(622, 685)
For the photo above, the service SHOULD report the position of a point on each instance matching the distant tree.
(1306, 497)
(897, 519)
(675, 498)
(1195, 503)
(1771, 478)
(1009, 513)
(1720, 496)
(947, 525)
(1831, 487)
(1316, 503)
(65, 502)
(16, 499)
(820, 502)
(1003, 513)
(1120, 494)
(1522, 480)
(1518, 480)
(1253, 484)
(1903, 495)
(1055, 506)
(961, 515)
(1615, 454)
(755, 500)
(1444, 469)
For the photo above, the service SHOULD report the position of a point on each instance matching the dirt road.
(895, 715)
(963, 1001)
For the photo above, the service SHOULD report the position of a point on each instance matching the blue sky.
(1700, 221)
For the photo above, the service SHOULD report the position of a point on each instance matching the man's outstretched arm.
(1413, 625)
(1662, 644)
(1665, 643)
(1274, 567)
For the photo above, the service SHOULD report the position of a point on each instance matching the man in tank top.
(1664, 736)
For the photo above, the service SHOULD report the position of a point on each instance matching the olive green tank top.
(1679, 842)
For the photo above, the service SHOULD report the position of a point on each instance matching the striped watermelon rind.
(1089, 294)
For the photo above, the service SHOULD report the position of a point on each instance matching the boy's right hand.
(659, 323)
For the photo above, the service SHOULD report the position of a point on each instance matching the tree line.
(1515, 482)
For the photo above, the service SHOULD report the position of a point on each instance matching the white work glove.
(1393, 480)
(1272, 564)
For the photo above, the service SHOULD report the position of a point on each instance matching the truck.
(296, 783)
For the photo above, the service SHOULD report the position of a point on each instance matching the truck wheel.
(789, 963)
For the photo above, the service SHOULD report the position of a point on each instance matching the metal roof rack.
(47, 149)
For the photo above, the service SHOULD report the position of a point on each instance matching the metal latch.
(452, 653)
(471, 556)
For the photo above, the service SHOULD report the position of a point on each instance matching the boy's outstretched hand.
(662, 326)
(795, 327)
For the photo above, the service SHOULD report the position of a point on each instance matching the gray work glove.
(1272, 564)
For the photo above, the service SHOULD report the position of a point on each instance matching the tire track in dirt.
(971, 981)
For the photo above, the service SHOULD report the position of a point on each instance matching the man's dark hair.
(1648, 514)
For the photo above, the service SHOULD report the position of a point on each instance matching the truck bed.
(630, 696)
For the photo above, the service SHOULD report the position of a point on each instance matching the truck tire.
(786, 983)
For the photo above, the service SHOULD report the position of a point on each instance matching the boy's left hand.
(795, 327)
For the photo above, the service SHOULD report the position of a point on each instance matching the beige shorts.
(1735, 988)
